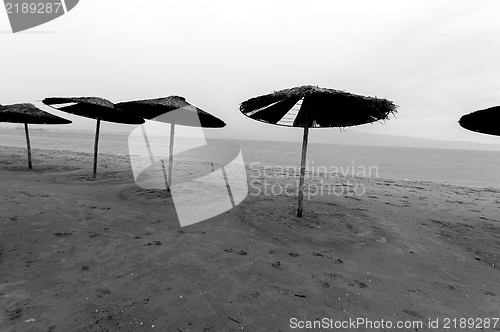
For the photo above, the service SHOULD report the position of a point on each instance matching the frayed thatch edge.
(29, 113)
(382, 107)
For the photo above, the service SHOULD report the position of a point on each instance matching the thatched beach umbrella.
(28, 113)
(94, 108)
(485, 121)
(174, 110)
(316, 107)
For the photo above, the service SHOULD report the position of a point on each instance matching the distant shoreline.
(348, 138)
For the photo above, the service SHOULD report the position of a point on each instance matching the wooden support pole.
(303, 164)
(151, 157)
(28, 143)
(227, 186)
(171, 153)
(96, 144)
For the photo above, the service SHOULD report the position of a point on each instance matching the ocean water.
(460, 167)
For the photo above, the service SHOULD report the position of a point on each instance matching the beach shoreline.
(458, 167)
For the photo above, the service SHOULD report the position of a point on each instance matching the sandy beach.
(83, 254)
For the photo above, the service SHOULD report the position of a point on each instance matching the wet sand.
(78, 254)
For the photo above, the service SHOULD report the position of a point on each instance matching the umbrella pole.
(171, 153)
(147, 144)
(303, 167)
(28, 144)
(227, 186)
(151, 157)
(94, 173)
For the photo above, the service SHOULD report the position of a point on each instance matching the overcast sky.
(437, 60)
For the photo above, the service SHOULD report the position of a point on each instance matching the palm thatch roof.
(162, 110)
(28, 113)
(485, 121)
(325, 107)
(94, 108)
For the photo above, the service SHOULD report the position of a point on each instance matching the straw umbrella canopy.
(153, 109)
(28, 114)
(94, 108)
(174, 110)
(485, 121)
(314, 107)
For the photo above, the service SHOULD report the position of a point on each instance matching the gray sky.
(438, 60)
